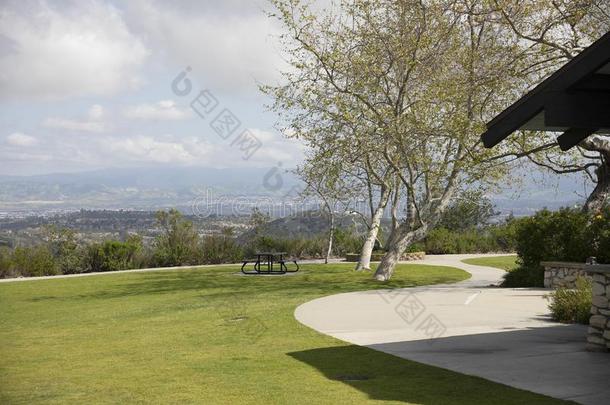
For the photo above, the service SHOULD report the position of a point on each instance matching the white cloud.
(196, 150)
(148, 149)
(55, 52)
(163, 110)
(72, 125)
(20, 139)
(82, 152)
(93, 123)
(229, 45)
(96, 112)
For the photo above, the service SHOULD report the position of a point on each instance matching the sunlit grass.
(506, 263)
(210, 336)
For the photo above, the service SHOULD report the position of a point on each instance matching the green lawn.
(507, 263)
(209, 336)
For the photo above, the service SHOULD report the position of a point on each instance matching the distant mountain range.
(139, 188)
(161, 187)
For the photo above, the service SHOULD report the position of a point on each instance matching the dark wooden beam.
(573, 136)
(581, 109)
(579, 71)
(596, 82)
(499, 130)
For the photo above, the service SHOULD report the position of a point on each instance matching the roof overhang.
(574, 100)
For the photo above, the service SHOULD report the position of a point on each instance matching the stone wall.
(563, 274)
(413, 256)
(598, 338)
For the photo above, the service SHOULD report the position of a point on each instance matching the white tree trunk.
(399, 241)
(331, 232)
(364, 263)
(405, 234)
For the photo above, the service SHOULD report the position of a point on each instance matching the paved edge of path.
(505, 335)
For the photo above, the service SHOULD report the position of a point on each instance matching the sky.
(93, 84)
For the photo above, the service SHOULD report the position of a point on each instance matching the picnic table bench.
(265, 261)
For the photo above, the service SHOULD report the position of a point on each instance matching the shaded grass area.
(507, 263)
(210, 336)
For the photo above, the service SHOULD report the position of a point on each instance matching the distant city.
(116, 202)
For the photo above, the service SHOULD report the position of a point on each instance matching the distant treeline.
(179, 244)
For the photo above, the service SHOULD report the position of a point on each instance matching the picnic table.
(265, 261)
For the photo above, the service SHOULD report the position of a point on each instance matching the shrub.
(416, 247)
(346, 241)
(572, 305)
(220, 249)
(178, 242)
(62, 244)
(599, 236)
(298, 247)
(33, 261)
(5, 262)
(112, 255)
(524, 276)
(505, 235)
(441, 241)
(565, 235)
(559, 235)
(445, 241)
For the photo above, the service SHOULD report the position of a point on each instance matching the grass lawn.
(210, 336)
(507, 263)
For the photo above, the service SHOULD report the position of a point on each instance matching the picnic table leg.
(283, 264)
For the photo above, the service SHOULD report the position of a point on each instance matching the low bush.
(524, 276)
(33, 261)
(495, 238)
(112, 255)
(217, 249)
(559, 235)
(5, 262)
(566, 235)
(298, 247)
(599, 236)
(572, 305)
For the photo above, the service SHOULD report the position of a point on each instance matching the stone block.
(600, 301)
(599, 289)
(596, 339)
(602, 311)
(599, 278)
(607, 335)
(591, 331)
(598, 321)
(595, 311)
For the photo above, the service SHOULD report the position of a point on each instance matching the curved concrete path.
(504, 335)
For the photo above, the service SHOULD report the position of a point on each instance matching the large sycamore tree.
(407, 85)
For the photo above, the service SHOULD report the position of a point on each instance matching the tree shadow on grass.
(384, 377)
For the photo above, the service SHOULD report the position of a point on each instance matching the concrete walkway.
(503, 335)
